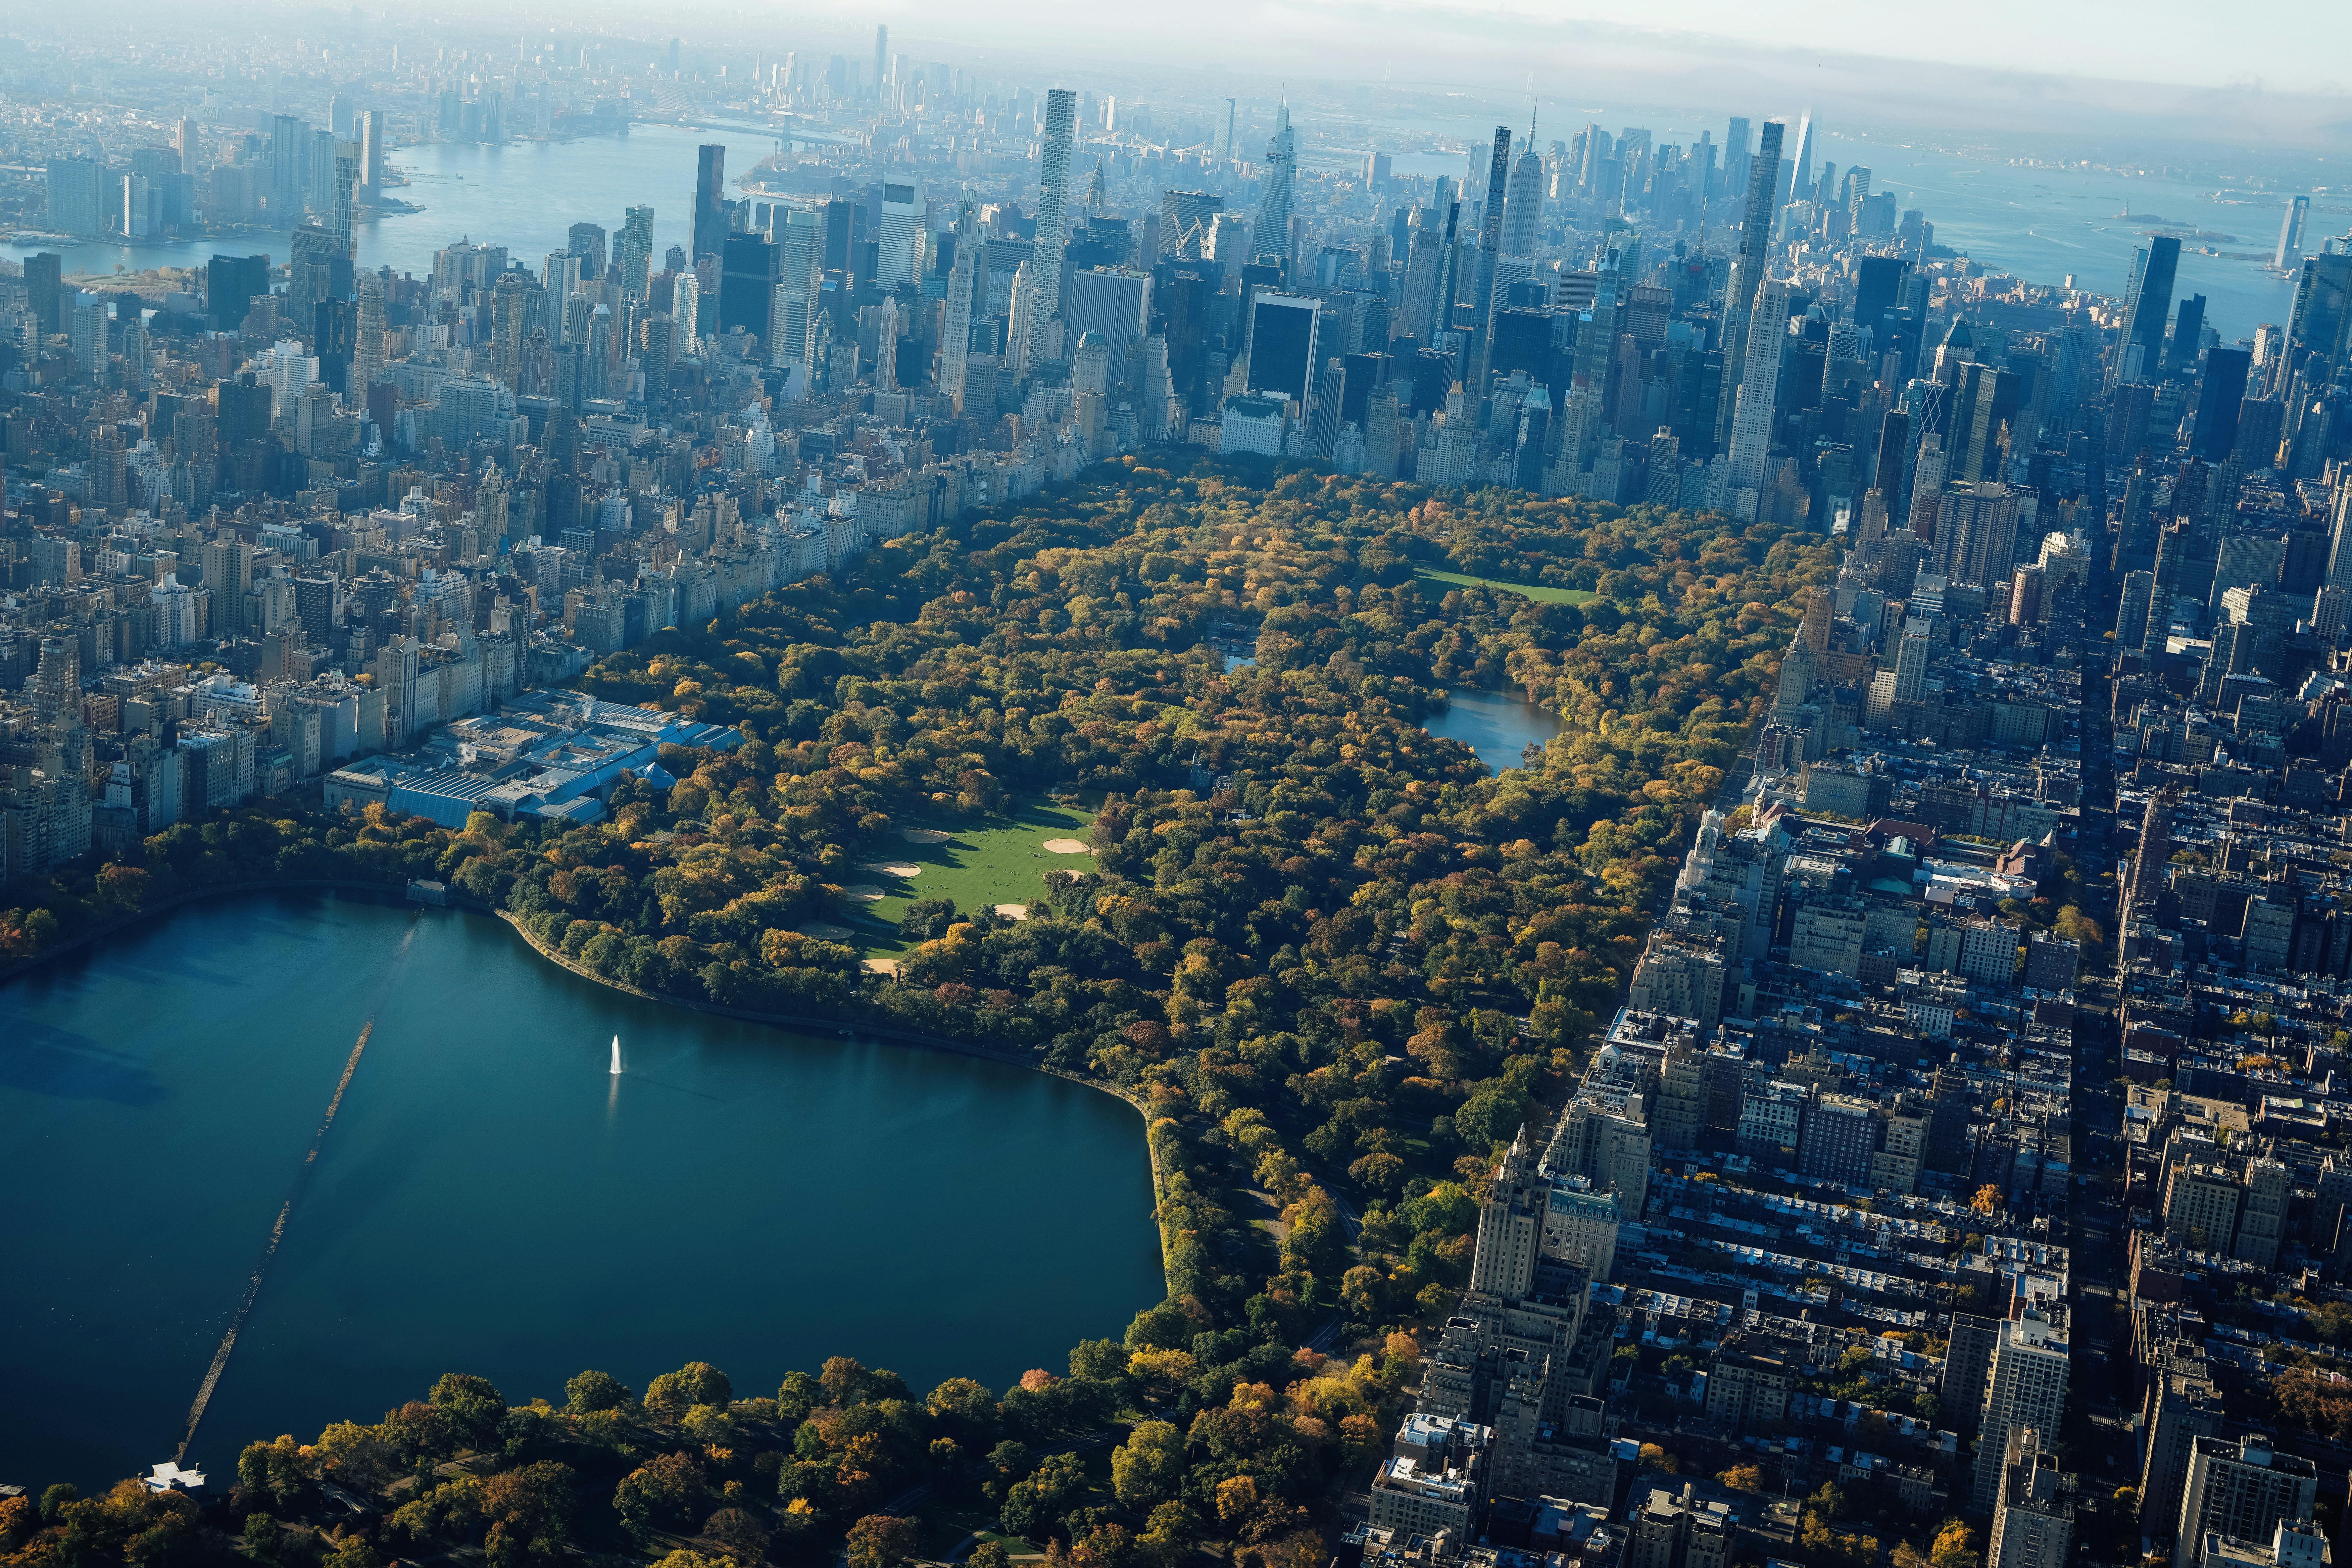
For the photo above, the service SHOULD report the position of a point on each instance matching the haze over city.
(1269, 785)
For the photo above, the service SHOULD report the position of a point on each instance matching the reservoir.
(491, 1198)
(1498, 725)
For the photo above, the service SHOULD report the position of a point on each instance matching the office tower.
(289, 144)
(1225, 135)
(367, 349)
(1878, 283)
(1751, 420)
(2219, 400)
(1734, 155)
(559, 274)
(1053, 217)
(881, 57)
(710, 201)
(188, 143)
(686, 307)
(636, 251)
(2033, 1519)
(2321, 290)
(1800, 167)
(372, 150)
(2024, 1387)
(1274, 204)
(2147, 304)
(747, 284)
(231, 284)
(2290, 240)
(44, 285)
(310, 274)
(2187, 336)
(1186, 218)
(1282, 351)
(75, 197)
(799, 276)
(1112, 301)
(2243, 1488)
(1523, 221)
(588, 244)
(1425, 265)
(338, 115)
(897, 255)
(347, 173)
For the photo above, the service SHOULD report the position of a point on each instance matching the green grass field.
(1534, 591)
(1003, 862)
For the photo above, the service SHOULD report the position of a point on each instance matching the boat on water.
(616, 1054)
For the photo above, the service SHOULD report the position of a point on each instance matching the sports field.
(1536, 591)
(1002, 861)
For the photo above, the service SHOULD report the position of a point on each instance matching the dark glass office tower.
(709, 200)
(2148, 302)
(2218, 403)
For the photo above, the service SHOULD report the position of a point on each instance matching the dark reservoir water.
(491, 1199)
(1498, 725)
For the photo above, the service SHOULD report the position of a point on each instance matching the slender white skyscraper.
(955, 346)
(1281, 174)
(1053, 215)
(1751, 422)
(686, 304)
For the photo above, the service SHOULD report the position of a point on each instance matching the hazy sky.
(2280, 45)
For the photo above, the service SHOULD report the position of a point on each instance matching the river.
(1496, 725)
(525, 195)
(2039, 224)
(491, 1199)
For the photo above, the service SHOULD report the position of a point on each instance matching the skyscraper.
(1281, 175)
(371, 133)
(76, 204)
(367, 352)
(1283, 355)
(290, 142)
(1747, 269)
(1490, 244)
(955, 344)
(636, 250)
(1800, 167)
(899, 251)
(1053, 215)
(2290, 240)
(1523, 224)
(881, 57)
(2147, 302)
(709, 232)
(1751, 421)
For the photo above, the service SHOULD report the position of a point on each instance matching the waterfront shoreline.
(794, 1022)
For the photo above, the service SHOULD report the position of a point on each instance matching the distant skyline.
(2095, 67)
(2295, 47)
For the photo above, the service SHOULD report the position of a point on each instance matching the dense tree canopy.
(1333, 959)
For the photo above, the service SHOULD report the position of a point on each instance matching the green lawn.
(1534, 591)
(1002, 861)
